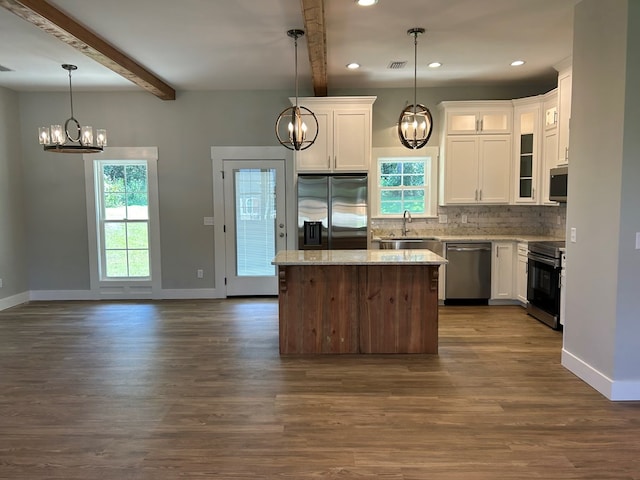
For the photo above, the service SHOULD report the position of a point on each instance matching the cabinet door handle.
(335, 161)
(533, 193)
(481, 125)
(555, 117)
(566, 153)
(480, 195)
(476, 198)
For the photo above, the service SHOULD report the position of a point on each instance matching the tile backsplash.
(485, 219)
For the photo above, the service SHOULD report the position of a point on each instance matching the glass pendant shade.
(296, 124)
(73, 138)
(415, 123)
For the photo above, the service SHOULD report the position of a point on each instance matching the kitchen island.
(358, 301)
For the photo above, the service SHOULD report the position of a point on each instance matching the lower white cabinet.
(521, 273)
(502, 270)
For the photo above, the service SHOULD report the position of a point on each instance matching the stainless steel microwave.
(558, 184)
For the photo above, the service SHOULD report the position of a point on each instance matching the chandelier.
(74, 138)
(294, 135)
(415, 123)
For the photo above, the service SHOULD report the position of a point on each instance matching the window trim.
(380, 153)
(119, 288)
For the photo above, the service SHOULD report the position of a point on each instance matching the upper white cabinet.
(476, 168)
(549, 144)
(485, 117)
(564, 114)
(344, 135)
(527, 120)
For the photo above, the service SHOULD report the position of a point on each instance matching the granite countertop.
(358, 257)
(477, 237)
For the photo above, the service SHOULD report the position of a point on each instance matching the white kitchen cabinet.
(344, 135)
(549, 144)
(476, 169)
(502, 271)
(564, 114)
(521, 273)
(481, 117)
(527, 121)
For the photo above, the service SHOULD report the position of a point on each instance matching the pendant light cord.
(415, 71)
(71, 94)
(295, 43)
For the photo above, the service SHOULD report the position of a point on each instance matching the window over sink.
(405, 180)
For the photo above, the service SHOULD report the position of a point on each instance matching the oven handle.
(546, 260)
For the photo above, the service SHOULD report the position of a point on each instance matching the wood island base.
(361, 309)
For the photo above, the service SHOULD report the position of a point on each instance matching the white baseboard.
(620, 390)
(14, 300)
(167, 294)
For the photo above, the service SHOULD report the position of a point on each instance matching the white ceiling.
(242, 44)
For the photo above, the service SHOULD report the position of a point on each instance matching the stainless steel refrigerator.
(332, 212)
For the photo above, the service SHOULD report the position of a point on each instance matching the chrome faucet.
(406, 215)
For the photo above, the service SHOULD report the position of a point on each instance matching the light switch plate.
(442, 218)
(574, 235)
(208, 220)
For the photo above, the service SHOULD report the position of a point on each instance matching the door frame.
(218, 156)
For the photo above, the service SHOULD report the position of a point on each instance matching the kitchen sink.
(432, 244)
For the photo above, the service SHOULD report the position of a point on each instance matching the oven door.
(543, 288)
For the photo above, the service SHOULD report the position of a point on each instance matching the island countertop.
(358, 257)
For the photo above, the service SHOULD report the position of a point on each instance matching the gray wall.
(12, 239)
(602, 324)
(183, 130)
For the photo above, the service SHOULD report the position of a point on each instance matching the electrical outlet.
(464, 219)
(574, 235)
(558, 220)
(200, 273)
(442, 218)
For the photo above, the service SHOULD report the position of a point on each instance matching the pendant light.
(294, 135)
(79, 139)
(415, 124)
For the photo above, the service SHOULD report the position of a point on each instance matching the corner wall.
(602, 324)
(12, 239)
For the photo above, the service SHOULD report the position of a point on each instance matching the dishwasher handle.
(468, 248)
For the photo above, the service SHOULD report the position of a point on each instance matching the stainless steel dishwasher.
(468, 273)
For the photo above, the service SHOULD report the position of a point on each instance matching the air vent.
(397, 65)
(5, 69)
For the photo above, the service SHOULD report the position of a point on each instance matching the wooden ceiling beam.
(57, 23)
(313, 12)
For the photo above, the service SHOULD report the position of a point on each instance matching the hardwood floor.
(197, 389)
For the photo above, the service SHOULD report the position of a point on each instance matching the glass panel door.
(255, 224)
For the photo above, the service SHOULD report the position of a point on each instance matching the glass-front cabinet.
(527, 121)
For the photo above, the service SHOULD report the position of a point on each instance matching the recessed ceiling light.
(353, 66)
(517, 63)
(366, 3)
(435, 65)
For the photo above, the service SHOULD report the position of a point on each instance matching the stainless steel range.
(543, 281)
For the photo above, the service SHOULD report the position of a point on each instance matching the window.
(406, 180)
(123, 213)
(123, 220)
